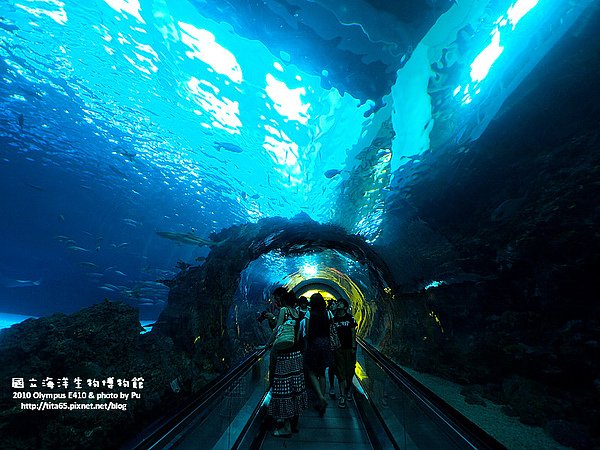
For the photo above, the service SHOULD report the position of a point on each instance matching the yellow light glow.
(326, 295)
(360, 372)
(362, 310)
(437, 320)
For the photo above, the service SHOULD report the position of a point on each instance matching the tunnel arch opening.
(308, 287)
(212, 308)
(332, 273)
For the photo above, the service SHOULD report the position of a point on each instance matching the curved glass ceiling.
(121, 118)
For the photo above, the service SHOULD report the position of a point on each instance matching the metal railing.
(217, 417)
(412, 415)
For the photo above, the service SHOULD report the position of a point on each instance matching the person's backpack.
(287, 334)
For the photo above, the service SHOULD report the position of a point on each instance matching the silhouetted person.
(345, 356)
(318, 348)
(302, 306)
(277, 301)
(331, 372)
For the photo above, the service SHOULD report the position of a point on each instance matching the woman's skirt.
(288, 393)
(318, 355)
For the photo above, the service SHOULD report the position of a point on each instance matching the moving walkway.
(391, 410)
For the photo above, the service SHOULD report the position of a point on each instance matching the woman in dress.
(288, 392)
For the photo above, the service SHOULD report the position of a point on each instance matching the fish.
(133, 223)
(118, 272)
(255, 196)
(61, 218)
(332, 173)
(117, 171)
(78, 249)
(21, 120)
(36, 187)
(106, 288)
(128, 155)
(88, 264)
(135, 293)
(21, 283)
(228, 146)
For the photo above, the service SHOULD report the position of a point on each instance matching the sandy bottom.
(507, 430)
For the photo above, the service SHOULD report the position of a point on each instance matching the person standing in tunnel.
(317, 348)
(288, 389)
(302, 306)
(345, 356)
(272, 317)
(331, 374)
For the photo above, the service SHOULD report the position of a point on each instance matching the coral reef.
(95, 343)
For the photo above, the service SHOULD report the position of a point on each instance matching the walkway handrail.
(199, 407)
(471, 434)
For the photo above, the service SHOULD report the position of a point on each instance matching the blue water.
(122, 118)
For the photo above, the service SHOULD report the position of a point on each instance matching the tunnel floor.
(340, 428)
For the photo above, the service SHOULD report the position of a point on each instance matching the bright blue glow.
(205, 48)
(309, 270)
(224, 112)
(146, 325)
(284, 153)
(371, 211)
(169, 119)
(481, 65)
(519, 9)
(286, 101)
(7, 320)
(131, 7)
(434, 284)
(59, 15)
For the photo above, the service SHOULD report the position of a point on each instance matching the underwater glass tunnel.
(166, 164)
